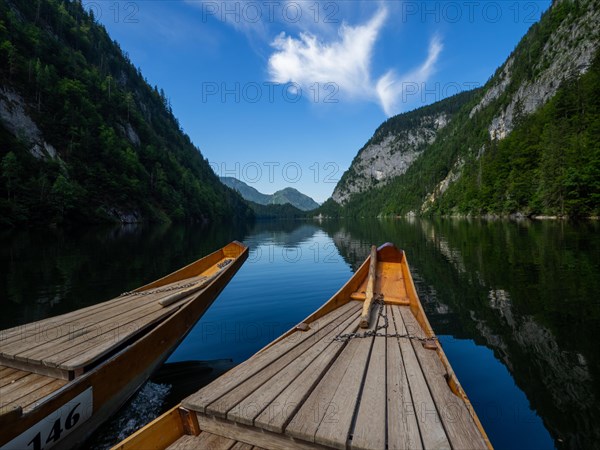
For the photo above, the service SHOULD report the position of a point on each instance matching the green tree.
(10, 172)
(65, 194)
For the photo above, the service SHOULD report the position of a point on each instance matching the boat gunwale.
(341, 297)
(77, 385)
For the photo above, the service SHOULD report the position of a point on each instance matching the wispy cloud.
(346, 60)
(391, 88)
(324, 51)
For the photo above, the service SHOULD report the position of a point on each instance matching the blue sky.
(284, 93)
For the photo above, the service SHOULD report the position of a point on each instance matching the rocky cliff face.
(14, 116)
(443, 146)
(378, 162)
(567, 53)
(396, 145)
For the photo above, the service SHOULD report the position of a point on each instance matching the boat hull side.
(117, 379)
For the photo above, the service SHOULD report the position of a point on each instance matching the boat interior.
(364, 371)
(39, 358)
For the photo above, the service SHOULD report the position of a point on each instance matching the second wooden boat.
(365, 371)
(61, 377)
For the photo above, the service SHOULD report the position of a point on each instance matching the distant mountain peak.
(286, 195)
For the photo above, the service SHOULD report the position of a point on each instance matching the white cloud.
(346, 61)
(393, 90)
(323, 52)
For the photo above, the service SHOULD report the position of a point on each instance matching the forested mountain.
(396, 144)
(83, 136)
(247, 192)
(527, 143)
(284, 196)
(276, 211)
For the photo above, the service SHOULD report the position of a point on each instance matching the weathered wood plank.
(369, 293)
(370, 425)
(318, 406)
(5, 371)
(82, 335)
(36, 368)
(246, 411)
(275, 381)
(201, 399)
(430, 425)
(336, 432)
(204, 440)
(22, 387)
(245, 433)
(282, 408)
(77, 331)
(458, 423)
(100, 346)
(48, 329)
(242, 446)
(30, 400)
(403, 431)
(11, 376)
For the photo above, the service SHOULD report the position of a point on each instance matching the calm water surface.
(515, 305)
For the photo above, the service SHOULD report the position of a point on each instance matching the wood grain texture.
(458, 423)
(370, 289)
(259, 438)
(242, 446)
(204, 440)
(246, 411)
(117, 379)
(22, 387)
(403, 431)
(12, 375)
(281, 374)
(282, 408)
(230, 380)
(370, 424)
(430, 425)
(335, 429)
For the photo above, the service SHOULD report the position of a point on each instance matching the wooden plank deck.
(209, 441)
(72, 341)
(24, 389)
(311, 390)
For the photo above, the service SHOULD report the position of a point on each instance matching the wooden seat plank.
(390, 280)
(222, 385)
(40, 330)
(370, 426)
(11, 376)
(282, 408)
(320, 406)
(22, 387)
(87, 352)
(429, 422)
(30, 400)
(242, 446)
(456, 418)
(262, 396)
(403, 431)
(52, 353)
(336, 432)
(5, 371)
(246, 411)
(74, 331)
(204, 440)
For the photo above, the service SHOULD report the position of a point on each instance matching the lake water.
(515, 305)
